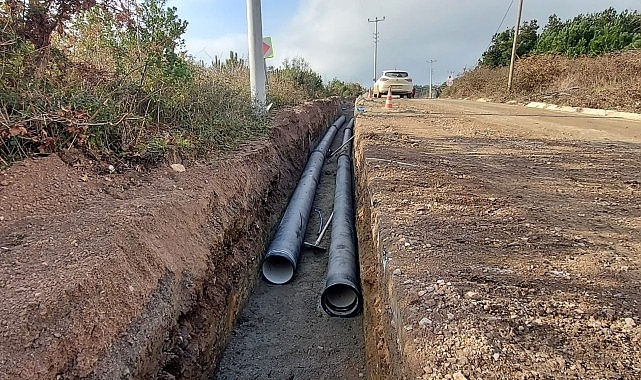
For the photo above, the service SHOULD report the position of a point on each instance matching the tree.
(339, 88)
(500, 51)
(160, 35)
(592, 34)
(528, 37)
(35, 21)
(146, 42)
(299, 70)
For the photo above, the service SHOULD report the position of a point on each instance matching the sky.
(336, 39)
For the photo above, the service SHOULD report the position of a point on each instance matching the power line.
(504, 16)
(501, 24)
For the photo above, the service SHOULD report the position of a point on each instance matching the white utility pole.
(376, 21)
(516, 37)
(431, 71)
(257, 76)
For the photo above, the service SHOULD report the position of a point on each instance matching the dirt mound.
(139, 275)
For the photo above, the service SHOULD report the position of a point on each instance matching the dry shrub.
(535, 74)
(282, 91)
(611, 81)
(209, 111)
(481, 82)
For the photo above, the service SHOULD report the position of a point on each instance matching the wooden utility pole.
(516, 37)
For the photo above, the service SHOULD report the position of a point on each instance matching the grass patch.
(116, 85)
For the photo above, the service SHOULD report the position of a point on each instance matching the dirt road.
(498, 242)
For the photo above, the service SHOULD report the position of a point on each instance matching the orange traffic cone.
(388, 102)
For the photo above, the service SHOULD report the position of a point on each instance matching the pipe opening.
(277, 269)
(340, 300)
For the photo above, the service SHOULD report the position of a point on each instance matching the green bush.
(591, 35)
(119, 83)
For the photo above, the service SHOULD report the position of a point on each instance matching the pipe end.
(341, 300)
(277, 270)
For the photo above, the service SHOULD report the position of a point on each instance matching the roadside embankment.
(609, 82)
(108, 276)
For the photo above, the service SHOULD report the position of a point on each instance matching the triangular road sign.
(268, 51)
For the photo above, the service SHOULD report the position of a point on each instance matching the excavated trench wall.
(382, 341)
(161, 269)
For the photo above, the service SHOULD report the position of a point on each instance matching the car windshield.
(395, 74)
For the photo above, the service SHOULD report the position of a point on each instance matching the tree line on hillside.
(585, 35)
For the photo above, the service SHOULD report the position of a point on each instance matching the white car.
(399, 81)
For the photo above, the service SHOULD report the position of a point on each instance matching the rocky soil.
(499, 242)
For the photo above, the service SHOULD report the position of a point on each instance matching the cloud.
(336, 39)
(326, 38)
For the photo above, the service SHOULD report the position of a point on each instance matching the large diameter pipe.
(342, 295)
(281, 258)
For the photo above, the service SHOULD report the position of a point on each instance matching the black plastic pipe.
(281, 259)
(342, 295)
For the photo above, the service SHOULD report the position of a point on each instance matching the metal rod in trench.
(337, 151)
(315, 245)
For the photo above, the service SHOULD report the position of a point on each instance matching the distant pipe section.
(281, 259)
(342, 295)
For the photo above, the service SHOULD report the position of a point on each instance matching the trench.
(166, 284)
(283, 332)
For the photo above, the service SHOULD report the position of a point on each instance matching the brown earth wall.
(107, 276)
(380, 354)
